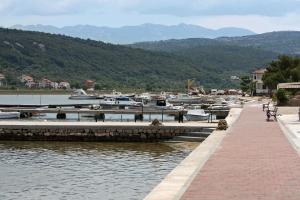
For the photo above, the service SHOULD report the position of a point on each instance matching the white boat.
(196, 115)
(108, 101)
(80, 94)
(126, 101)
(185, 98)
(9, 115)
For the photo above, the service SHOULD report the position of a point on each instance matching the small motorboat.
(197, 115)
(82, 95)
(9, 115)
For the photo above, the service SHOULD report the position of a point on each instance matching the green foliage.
(62, 58)
(222, 125)
(213, 57)
(282, 42)
(246, 83)
(281, 96)
(285, 69)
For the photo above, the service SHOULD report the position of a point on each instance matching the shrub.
(156, 122)
(222, 125)
(281, 96)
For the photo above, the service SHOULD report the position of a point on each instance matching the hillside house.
(30, 84)
(54, 85)
(89, 84)
(64, 85)
(45, 83)
(261, 89)
(26, 78)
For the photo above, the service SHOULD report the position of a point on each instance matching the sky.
(257, 15)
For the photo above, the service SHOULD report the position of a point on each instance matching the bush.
(222, 125)
(281, 96)
(156, 122)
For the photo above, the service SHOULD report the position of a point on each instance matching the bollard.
(299, 113)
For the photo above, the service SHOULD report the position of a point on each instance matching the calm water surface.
(108, 171)
(58, 170)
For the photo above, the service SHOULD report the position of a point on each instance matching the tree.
(285, 69)
(246, 84)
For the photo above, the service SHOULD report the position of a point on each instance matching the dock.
(97, 131)
(99, 114)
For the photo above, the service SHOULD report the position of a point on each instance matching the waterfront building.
(30, 84)
(64, 85)
(26, 78)
(89, 84)
(45, 83)
(260, 87)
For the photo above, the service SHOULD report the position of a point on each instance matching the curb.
(288, 134)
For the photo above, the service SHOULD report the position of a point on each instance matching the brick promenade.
(254, 161)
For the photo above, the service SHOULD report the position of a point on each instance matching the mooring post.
(78, 117)
(162, 115)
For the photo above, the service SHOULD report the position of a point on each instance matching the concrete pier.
(93, 131)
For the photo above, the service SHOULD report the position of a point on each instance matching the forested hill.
(60, 57)
(215, 56)
(64, 58)
(283, 42)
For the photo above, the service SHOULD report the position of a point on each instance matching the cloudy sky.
(256, 15)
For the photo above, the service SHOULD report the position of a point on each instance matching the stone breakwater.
(121, 133)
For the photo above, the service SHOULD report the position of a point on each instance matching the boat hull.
(197, 117)
(83, 97)
(9, 115)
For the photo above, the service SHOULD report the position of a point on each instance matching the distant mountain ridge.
(283, 42)
(139, 33)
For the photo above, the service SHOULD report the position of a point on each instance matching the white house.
(45, 83)
(64, 85)
(259, 84)
(54, 85)
(26, 78)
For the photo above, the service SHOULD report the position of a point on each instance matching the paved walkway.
(254, 161)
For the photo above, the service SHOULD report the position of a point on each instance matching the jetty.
(99, 114)
(99, 131)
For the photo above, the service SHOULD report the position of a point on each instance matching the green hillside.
(283, 42)
(153, 66)
(218, 58)
(71, 59)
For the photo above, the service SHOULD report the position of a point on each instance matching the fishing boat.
(196, 115)
(9, 115)
(80, 94)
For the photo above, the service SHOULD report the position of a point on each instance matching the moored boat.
(82, 95)
(9, 115)
(197, 115)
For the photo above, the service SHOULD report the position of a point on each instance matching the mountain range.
(139, 33)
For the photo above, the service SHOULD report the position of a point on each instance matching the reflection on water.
(58, 170)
